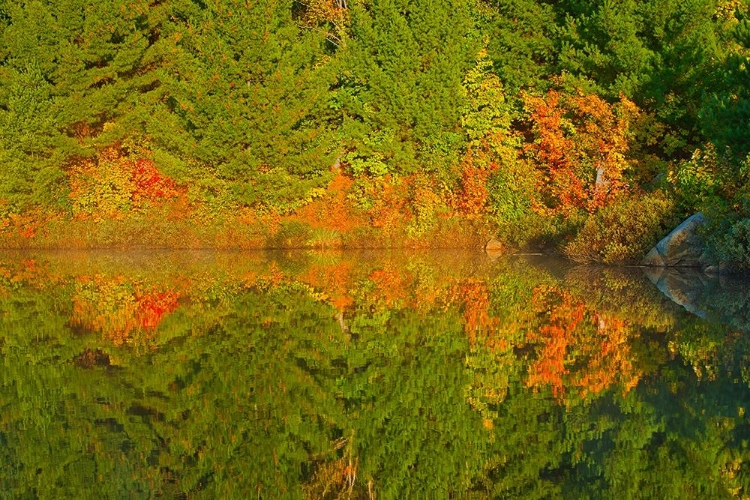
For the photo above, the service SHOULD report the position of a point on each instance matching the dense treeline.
(332, 122)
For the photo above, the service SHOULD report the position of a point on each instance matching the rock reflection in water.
(722, 298)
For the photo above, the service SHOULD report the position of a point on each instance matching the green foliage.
(725, 115)
(30, 146)
(728, 239)
(521, 36)
(291, 235)
(697, 182)
(256, 384)
(623, 232)
(402, 74)
(68, 68)
(247, 93)
(487, 117)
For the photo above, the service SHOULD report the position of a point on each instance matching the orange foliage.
(323, 11)
(577, 347)
(390, 210)
(25, 225)
(474, 194)
(580, 147)
(119, 309)
(334, 210)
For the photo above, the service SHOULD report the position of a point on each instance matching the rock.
(684, 287)
(654, 259)
(494, 246)
(683, 247)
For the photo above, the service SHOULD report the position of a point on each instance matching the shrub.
(535, 231)
(623, 232)
(727, 237)
(291, 234)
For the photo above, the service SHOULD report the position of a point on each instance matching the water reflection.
(367, 375)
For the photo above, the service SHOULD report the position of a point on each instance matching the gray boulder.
(683, 247)
(682, 286)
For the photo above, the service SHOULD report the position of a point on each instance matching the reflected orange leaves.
(577, 347)
(27, 272)
(475, 303)
(335, 280)
(390, 285)
(563, 316)
(118, 309)
(558, 340)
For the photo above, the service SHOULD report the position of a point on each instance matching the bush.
(624, 231)
(291, 234)
(728, 239)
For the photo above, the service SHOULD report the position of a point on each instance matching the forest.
(588, 127)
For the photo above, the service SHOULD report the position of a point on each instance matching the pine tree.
(247, 87)
(401, 85)
(68, 68)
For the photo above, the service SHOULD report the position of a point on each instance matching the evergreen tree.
(68, 68)
(725, 115)
(401, 88)
(247, 87)
(658, 53)
(521, 41)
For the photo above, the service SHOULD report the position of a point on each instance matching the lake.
(389, 375)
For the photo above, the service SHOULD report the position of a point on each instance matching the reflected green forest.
(368, 375)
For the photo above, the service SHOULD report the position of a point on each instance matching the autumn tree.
(580, 148)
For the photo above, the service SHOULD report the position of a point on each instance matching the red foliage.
(150, 184)
(114, 184)
(153, 306)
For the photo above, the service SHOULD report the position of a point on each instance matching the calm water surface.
(389, 376)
